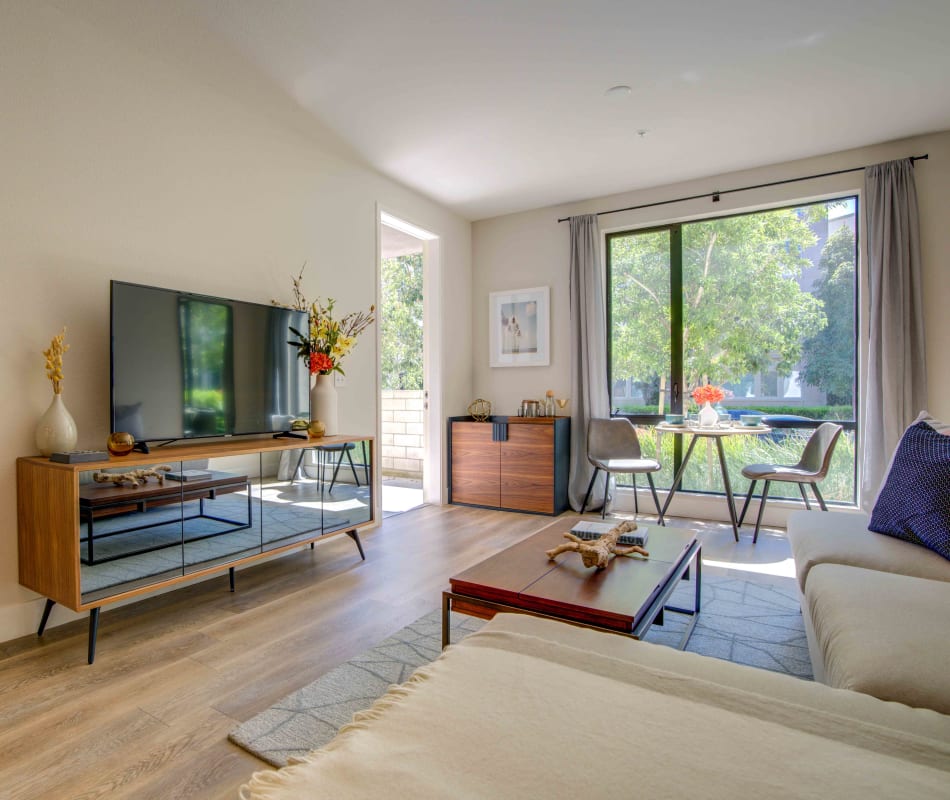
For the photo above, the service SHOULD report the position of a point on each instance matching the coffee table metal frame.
(653, 615)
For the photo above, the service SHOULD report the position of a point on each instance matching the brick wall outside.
(402, 447)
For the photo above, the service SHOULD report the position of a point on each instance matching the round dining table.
(717, 433)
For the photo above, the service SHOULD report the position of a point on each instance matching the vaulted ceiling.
(494, 106)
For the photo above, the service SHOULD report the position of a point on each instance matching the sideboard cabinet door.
(527, 469)
(475, 474)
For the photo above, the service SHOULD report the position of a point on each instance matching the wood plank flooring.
(175, 673)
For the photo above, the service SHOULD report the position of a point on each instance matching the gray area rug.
(748, 621)
(311, 716)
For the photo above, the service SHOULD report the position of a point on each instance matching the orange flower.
(320, 362)
(708, 394)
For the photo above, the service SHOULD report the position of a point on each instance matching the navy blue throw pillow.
(914, 504)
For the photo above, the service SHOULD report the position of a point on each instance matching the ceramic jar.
(56, 430)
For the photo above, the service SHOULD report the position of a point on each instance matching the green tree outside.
(828, 356)
(401, 322)
(743, 309)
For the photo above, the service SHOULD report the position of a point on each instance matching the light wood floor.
(175, 673)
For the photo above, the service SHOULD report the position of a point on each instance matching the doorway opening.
(405, 255)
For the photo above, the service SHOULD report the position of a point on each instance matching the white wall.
(531, 249)
(135, 148)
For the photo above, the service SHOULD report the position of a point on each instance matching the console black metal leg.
(231, 577)
(93, 632)
(49, 607)
(355, 536)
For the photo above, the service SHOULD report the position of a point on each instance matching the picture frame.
(519, 326)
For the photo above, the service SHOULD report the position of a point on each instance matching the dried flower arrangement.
(54, 360)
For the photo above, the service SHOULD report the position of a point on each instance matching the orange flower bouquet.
(708, 394)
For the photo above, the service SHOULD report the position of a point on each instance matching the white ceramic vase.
(708, 416)
(56, 431)
(323, 404)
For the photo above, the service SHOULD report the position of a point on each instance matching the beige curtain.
(589, 391)
(896, 388)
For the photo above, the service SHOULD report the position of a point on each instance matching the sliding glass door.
(761, 304)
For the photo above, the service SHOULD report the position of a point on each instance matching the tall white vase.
(56, 431)
(323, 403)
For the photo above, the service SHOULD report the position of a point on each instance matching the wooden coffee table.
(627, 597)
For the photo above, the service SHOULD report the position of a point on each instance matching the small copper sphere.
(120, 443)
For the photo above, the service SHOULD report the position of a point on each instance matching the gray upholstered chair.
(613, 446)
(811, 468)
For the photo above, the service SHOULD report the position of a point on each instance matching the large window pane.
(640, 333)
(766, 310)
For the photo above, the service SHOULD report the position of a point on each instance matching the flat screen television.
(185, 366)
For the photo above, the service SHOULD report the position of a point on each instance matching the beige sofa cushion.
(837, 537)
(882, 634)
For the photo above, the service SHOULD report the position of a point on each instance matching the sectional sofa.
(876, 609)
(530, 708)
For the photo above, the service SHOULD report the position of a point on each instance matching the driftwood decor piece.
(597, 552)
(136, 477)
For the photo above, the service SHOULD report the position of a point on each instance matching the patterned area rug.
(755, 622)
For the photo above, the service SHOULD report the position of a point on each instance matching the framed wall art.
(519, 328)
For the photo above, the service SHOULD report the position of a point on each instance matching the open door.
(410, 438)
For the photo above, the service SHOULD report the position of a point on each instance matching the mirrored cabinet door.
(345, 473)
(290, 497)
(130, 527)
(221, 519)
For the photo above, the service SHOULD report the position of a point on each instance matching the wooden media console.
(85, 544)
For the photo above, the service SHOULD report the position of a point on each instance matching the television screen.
(187, 366)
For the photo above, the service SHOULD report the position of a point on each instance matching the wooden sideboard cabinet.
(511, 463)
(85, 543)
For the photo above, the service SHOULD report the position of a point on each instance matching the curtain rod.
(715, 195)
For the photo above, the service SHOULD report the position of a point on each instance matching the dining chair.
(614, 447)
(811, 468)
(328, 449)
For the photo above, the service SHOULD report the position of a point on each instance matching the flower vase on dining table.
(323, 404)
(708, 416)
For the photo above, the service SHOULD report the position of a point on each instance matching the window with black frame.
(760, 304)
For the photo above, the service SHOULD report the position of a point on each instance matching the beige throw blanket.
(515, 716)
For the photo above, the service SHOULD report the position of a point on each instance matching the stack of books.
(189, 475)
(594, 530)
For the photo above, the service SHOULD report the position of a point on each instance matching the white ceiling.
(495, 106)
